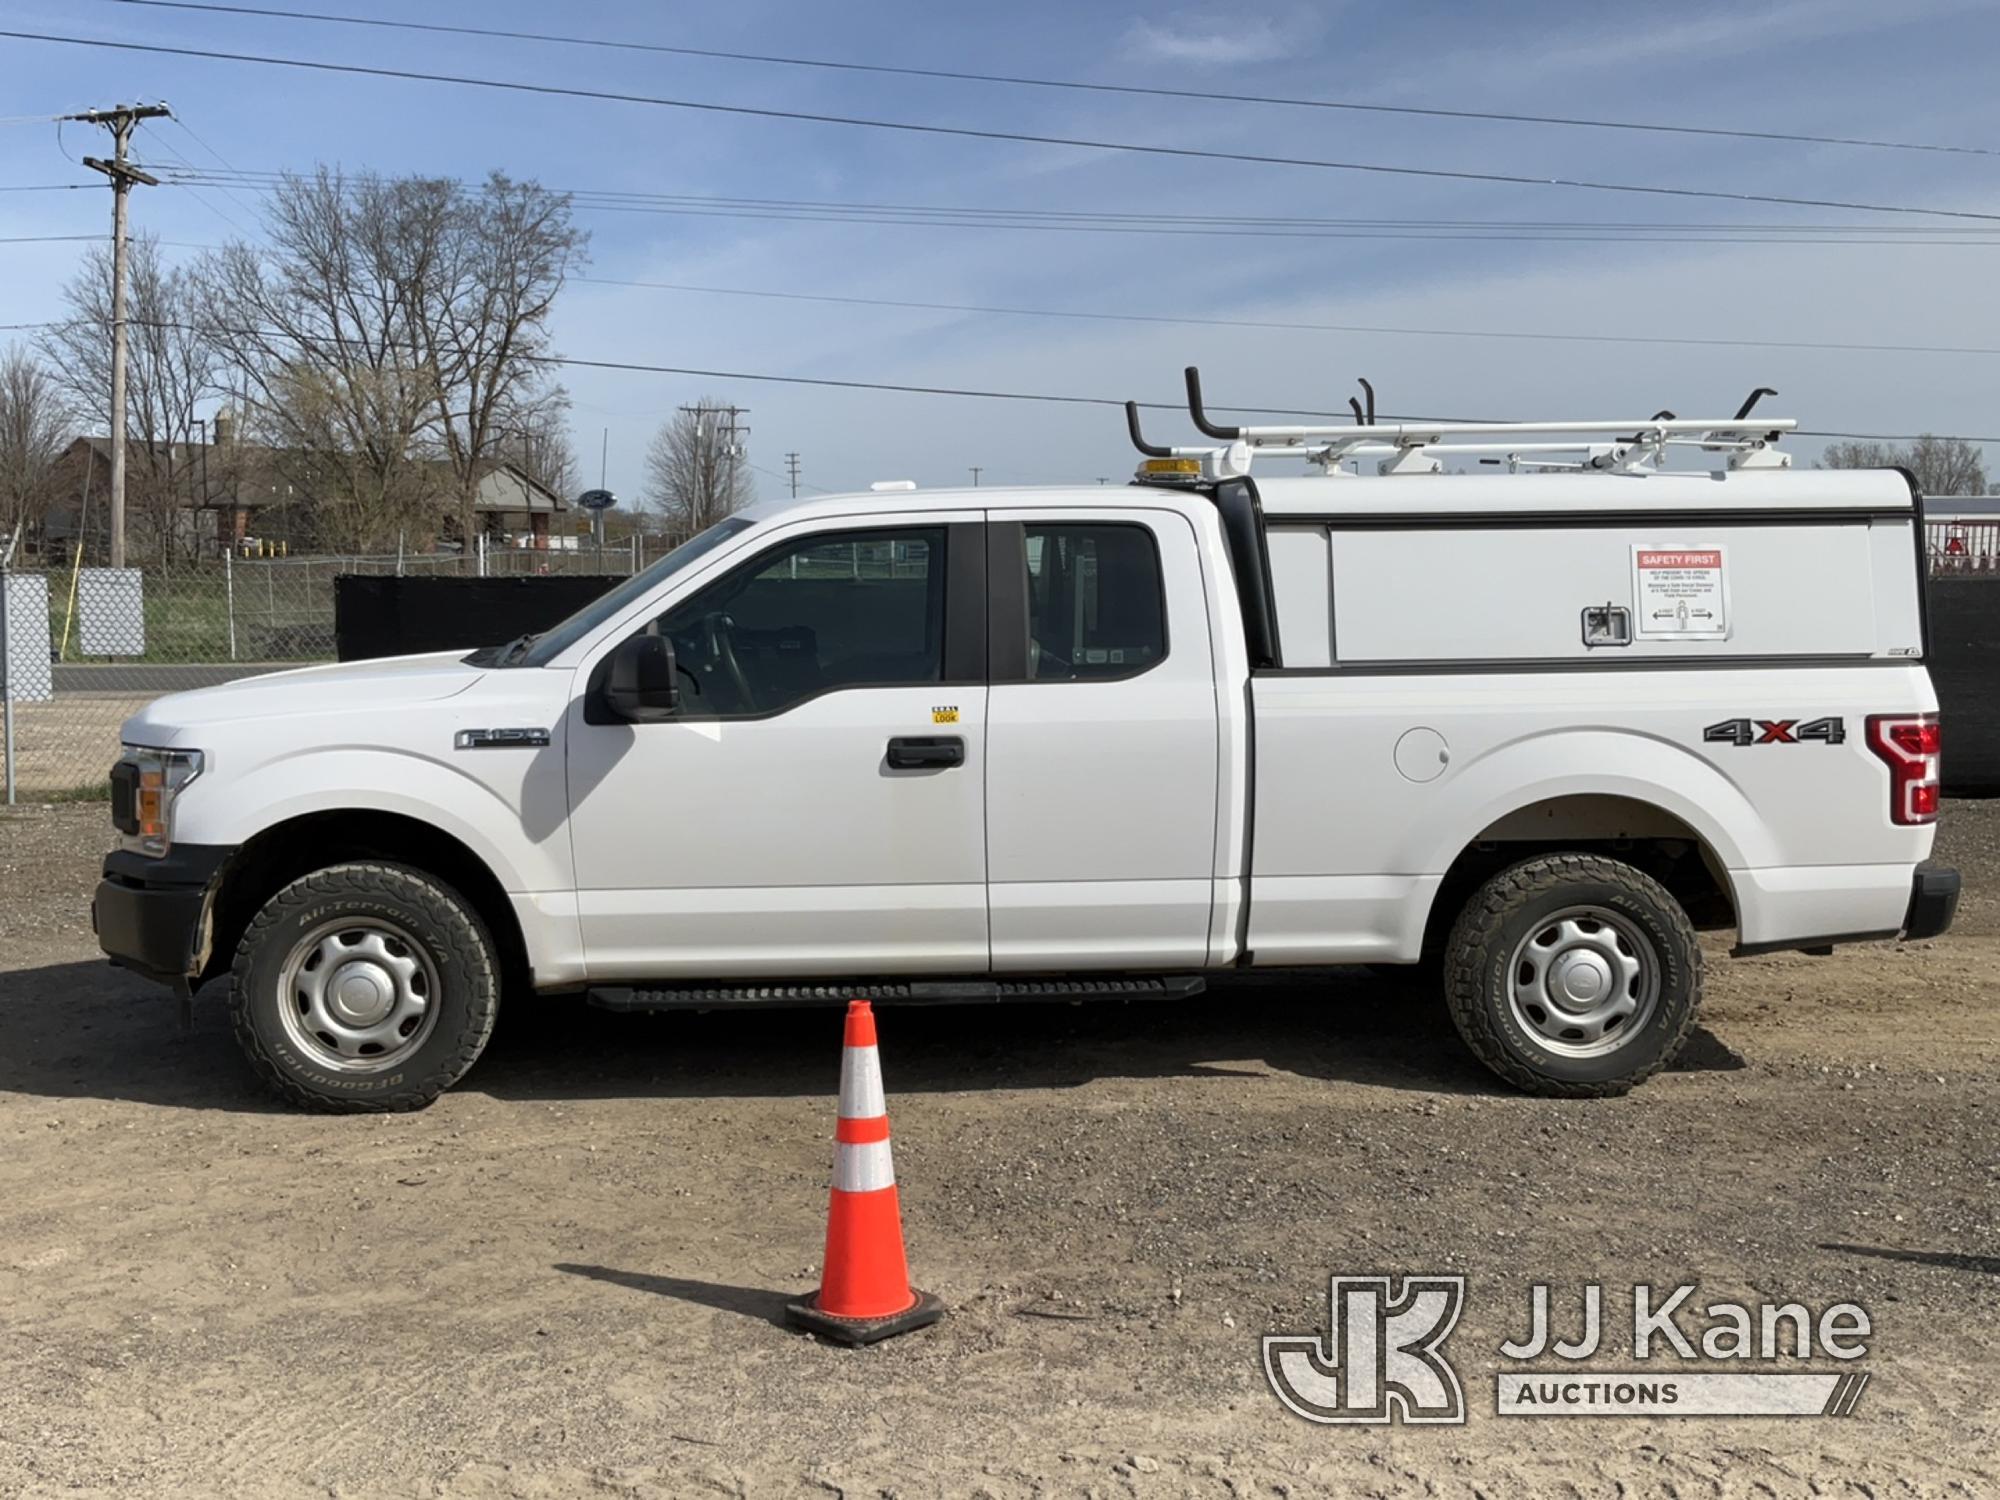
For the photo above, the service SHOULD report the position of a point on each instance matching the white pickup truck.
(1530, 728)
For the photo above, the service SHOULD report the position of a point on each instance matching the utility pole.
(120, 120)
(792, 472)
(975, 476)
(722, 448)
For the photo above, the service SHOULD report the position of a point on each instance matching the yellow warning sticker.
(944, 716)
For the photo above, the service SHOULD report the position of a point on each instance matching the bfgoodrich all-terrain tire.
(364, 987)
(1573, 975)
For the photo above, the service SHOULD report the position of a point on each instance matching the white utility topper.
(1526, 729)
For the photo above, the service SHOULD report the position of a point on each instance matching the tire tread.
(1480, 924)
(466, 954)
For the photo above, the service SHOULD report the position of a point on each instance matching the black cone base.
(854, 1332)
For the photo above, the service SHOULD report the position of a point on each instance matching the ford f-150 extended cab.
(1528, 728)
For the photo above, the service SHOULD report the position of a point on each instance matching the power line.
(55, 239)
(1019, 81)
(790, 477)
(1195, 321)
(1292, 325)
(227, 218)
(1189, 320)
(263, 179)
(1494, 232)
(189, 131)
(1012, 137)
(966, 392)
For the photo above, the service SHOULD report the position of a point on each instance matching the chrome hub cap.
(359, 995)
(1583, 982)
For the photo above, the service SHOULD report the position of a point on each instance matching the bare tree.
(326, 330)
(35, 423)
(1860, 455)
(1942, 465)
(1946, 466)
(171, 368)
(390, 334)
(695, 469)
(504, 255)
(535, 439)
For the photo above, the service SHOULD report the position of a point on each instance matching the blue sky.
(1914, 71)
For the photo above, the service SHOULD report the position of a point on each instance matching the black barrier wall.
(389, 616)
(1965, 667)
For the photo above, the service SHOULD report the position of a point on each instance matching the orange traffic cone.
(864, 1286)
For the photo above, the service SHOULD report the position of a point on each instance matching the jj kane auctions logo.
(1383, 1358)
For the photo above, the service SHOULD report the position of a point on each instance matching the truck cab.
(1524, 731)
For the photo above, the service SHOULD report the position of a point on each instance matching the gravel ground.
(564, 1278)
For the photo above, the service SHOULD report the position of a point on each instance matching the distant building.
(195, 500)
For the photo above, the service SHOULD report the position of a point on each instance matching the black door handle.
(915, 752)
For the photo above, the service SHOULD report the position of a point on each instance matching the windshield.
(546, 647)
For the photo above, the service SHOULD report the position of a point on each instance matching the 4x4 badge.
(1775, 732)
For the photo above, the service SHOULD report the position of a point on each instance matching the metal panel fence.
(90, 647)
(1963, 547)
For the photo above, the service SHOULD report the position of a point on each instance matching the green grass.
(287, 616)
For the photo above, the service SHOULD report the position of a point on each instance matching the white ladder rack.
(1420, 446)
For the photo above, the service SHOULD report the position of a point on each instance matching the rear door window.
(1096, 605)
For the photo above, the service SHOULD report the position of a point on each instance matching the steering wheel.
(722, 651)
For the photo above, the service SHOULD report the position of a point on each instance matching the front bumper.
(150, 913)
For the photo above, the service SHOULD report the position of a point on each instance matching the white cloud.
(1213, 41)
(1688, 34)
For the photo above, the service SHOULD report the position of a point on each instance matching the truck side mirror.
(640, 688)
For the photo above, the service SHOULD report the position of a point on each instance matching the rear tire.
(364, 987)
(1573, 976)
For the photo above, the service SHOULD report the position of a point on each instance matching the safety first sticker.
(1680, 593)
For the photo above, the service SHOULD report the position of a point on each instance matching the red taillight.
(1909, 744)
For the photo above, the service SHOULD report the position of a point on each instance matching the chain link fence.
(85, 648)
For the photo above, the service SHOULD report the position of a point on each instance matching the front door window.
(848, 609)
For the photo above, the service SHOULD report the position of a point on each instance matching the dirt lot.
(564, 1278)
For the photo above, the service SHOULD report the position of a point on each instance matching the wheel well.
(283, 852)
(1622, 828)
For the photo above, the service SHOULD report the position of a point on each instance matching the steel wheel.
(358, 994)
(1583, 981)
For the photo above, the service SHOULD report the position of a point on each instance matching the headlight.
(153, 778)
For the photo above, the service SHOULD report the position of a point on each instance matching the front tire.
(364, 987)
(1573, 976)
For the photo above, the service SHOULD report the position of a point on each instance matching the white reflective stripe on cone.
(861, 1084)
(863, 1169)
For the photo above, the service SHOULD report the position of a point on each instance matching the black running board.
(897, 992)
